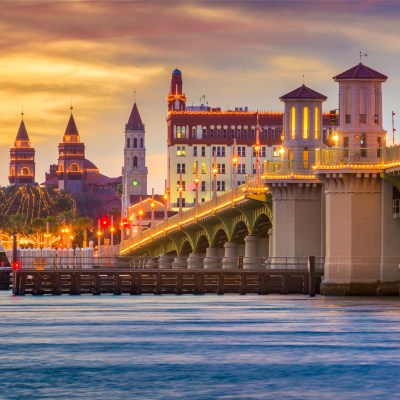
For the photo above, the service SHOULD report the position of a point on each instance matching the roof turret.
(360, 71)
(134, 121)
(22, 132)
(303, 93)
(71, 126)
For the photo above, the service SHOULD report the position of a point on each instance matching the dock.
(156, 281)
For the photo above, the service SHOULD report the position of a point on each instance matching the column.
(251, 259)
(230, 260)
(165, 261)
(180, 262)
(212, 259)
(195, 261)
(152, 263)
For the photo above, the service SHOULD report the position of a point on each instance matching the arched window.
(61, 167)
(25, 171)
(316, 123)
(74, 167)
(135, 161)
(135, 143)
(306, 119)
(128, 143)
(141, 143)
(12, 172)
(293, 123)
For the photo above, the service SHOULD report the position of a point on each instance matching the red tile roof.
(360, 71)
(22, 132)
(134, 122)
(303, 93)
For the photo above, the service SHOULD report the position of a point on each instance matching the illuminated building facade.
(22, 159)
(201, 136)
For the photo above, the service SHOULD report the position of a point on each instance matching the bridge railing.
(168, 262)
(359, 156)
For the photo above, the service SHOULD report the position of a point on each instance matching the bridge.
(296, 211)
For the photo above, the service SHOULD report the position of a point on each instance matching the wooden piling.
(158, 283)
(220, 289)
(311, 274)
(243, 288)
(179, 283)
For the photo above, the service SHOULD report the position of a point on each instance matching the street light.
(140, 223)
(166, 205)
(215, 172)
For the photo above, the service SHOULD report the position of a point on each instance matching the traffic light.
(104, 222)
(16, 265)
(125, 223)
(332, 117)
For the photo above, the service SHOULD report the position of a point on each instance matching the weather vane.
(303, 78)
(134, 95)
(362, 55)
(71, 108)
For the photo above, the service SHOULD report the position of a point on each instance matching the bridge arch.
(262, 225)
(220, 238)
(202, 244)
(240, 231)
(186, 248)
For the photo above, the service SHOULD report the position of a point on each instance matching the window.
(218, 133)
(232, 133)
(128, 143)
(195, 167)
(74, 167)
(181, 132)
(203, 200)
(253, 133)
(306, 118)
(293, 123)
(183, 202)
(245, 133)
(241, 168)
(203, 186)
(194, 151)
(212, 133)
(316, 123)
(135, 161)
(345, 146)
(204, 133)
(203, 168)
(25, 171)
(193, 132)
(219, 151)
(238, 133)
(180, 151)
(348, 119)
(178, 183)
(363, 118)
(225, 133)
(203, 151)
(305, 158)
(221, 168)
(291, 157)
(181, 168)
(141, 143)
(221, 186)
(272, 133)
(241, 151)
(240, 183)
(265, 133)
(135, 143)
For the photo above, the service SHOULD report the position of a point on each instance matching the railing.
(360, 156)
(168, 262)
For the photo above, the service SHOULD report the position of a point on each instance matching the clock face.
(135, 183)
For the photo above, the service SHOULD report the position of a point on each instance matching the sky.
(104, 55)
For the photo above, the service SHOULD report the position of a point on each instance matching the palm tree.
(83, 224)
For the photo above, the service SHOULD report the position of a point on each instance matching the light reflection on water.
(199, 347)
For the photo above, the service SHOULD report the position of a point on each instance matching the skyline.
(99, 52)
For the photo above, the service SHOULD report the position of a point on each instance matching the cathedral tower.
(71, 157)
(134, 171)
(22, 159)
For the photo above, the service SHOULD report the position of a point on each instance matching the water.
(199, 347)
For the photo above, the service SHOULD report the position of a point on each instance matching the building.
(22, 159)
(201, 136)
(134, 171)
(76, 174)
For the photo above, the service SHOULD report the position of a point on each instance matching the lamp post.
(140, 223)
(152, 207)
(215, 172)
(112, 229)
(166, 206)
(98, 238)
(234, 165)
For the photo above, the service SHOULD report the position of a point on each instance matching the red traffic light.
(125, 223)
(104, 221)
(16, 265)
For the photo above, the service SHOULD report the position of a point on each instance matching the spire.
(134, 122)
(22, 132)
(71, 127)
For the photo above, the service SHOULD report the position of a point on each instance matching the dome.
(176, 72)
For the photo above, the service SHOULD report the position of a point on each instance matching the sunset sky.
(236, 53)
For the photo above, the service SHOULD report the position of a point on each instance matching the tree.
(83, 224)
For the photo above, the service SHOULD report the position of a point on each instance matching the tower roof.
(22, 132)
(360, 71)
(303, 93)
(71, 127)
(177, 72)
(134, 122)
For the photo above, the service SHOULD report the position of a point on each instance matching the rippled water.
(199, 347)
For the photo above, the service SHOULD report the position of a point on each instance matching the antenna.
(362, 55)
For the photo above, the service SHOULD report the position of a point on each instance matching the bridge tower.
(22, 159)
(297, 199)
(362, 251)
(134, 171)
